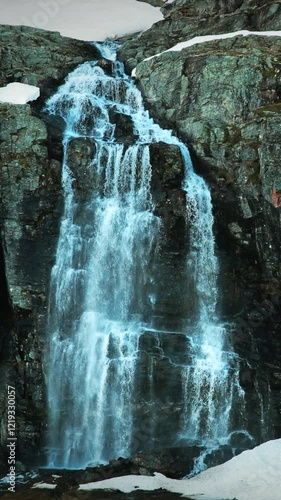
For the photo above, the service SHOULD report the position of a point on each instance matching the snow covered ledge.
(208, 38)
(19, 93)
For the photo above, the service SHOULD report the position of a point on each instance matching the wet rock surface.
(31, 206)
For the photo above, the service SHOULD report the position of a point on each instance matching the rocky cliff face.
(187, 19)
(222, 99)
(30, 208)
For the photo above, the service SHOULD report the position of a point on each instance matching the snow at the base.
(19, 93)
(44, 486)
(255, 474)
(208, 38)
(90, 20)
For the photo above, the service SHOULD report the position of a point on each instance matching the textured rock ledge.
(185, 19)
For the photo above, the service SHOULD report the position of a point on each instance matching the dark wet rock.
(175, 463)
(93, 495)
(80, 155)
(168, 196)
(56, 127)
(31, 205)
(115, 495)
(124, 127)
(106, 65)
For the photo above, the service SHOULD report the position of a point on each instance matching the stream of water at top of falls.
(102, 280)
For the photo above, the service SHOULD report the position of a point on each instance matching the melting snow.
(19, 93)
(255, 474)
(83, 19)
(44, 486)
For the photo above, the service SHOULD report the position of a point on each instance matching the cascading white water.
(102, 273)
(211, 384)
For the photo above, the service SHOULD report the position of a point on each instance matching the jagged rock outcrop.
(187, 19)
(39, 57)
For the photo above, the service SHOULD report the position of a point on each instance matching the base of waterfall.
(253, 474)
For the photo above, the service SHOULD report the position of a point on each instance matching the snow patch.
(255, 474)
(44, 486)
(19, 93)
(90, 20)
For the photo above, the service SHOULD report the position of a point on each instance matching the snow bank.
(208, 38)
(44, 486)
(83, 19)
(255, 474)
(19, 93)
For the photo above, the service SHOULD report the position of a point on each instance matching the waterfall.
(102, 282)
(211, 384)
